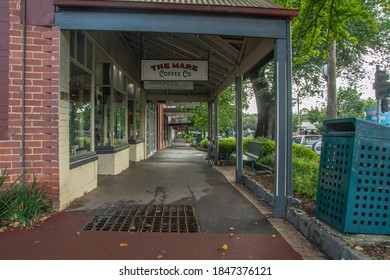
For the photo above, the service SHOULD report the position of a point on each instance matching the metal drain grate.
(144, 218)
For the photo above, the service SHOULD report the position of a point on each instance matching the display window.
(79, 111)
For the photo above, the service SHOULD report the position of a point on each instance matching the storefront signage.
(171, 85)
(175, 103)
(174, 70)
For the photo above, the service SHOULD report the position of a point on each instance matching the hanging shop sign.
(174, 70)
(169, 85)
(176, 103)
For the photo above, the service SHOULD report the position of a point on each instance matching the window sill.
(132, 142)
(79, 160)
(110, 149)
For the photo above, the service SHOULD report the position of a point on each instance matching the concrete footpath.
(227, 214)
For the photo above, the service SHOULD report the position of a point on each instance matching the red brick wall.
(41, 103)
(4, 59)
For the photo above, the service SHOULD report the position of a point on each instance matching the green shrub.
(303, 152)
(190, 139)
(305, 167)
(203, 143)
(268, 160)
(268, 147)
(305, 176)
(23, 203)
(226, 147)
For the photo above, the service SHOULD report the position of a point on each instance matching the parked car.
(309, 141)
(317, 146)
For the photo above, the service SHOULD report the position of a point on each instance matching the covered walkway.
(177, 175)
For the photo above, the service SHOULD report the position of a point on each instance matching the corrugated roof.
(232, 3)
(263, 8)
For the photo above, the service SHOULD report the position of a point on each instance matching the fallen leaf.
(231, 235)
(159, 257)
(37, 241)
(2, 229)
(273, 235)
(15, 225)
(44, 218)
(78, 233)
(359, 248)
(123, 245)
(224, 247)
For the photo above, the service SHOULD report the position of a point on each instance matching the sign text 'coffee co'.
(174, 70)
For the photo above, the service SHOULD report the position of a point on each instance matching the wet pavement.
(178, 175)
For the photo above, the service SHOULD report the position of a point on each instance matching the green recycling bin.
(353, 192)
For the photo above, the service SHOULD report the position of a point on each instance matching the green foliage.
(226, 146)
(303, 152)
(268, 160)
(203, 143)
(249, 122)
(226, 111)
(359, 28)
(305, 167)
(305, 176)
(349, 104)
(23, 203)
(268, 148)
(317, 116)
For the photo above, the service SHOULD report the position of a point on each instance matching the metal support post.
(210, 121)
(239, 164)
(216, 129)
(283, 138)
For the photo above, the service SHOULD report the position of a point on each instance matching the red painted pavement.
(61, 237)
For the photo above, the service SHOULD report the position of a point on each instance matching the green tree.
(249, 121)
(316, 116)
(226, 111)
(349, 105)
(359, 29)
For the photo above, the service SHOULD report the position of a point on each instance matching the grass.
(22, 203)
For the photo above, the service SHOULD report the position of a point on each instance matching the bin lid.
(356, 127)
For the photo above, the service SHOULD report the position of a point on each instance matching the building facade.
(71, 103)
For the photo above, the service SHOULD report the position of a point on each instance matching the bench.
(253, 153)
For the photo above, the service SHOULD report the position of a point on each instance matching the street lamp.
(324, 70)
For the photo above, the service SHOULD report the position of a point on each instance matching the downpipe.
(23, 91)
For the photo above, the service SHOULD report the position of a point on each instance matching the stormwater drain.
(144, 218)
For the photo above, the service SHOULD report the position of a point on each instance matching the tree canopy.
(226, 111)
(360, 29)
(349, 104)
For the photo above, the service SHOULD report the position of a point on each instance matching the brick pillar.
(41, 103)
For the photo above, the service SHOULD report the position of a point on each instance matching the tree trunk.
(264, 106)
(271, 120)
(331, 84)
(262, 115)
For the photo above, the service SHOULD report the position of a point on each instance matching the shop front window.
(119, 118)
(134, 114)
(79, 111)
(138, 118)
(102, 116)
